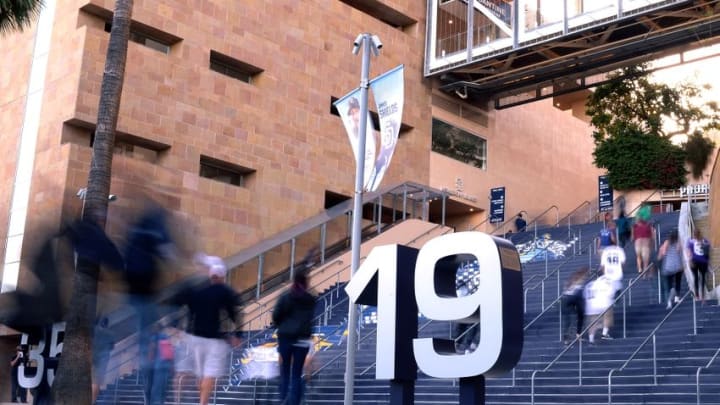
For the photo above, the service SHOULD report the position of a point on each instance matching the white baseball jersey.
(599, 295)
(612, 260)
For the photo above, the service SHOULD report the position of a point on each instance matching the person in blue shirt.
(520, 223)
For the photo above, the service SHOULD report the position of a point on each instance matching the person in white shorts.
(611, 262)
(205, 340)
(599, 296)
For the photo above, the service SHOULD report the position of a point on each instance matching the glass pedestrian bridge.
(459, 34)
(516, 51)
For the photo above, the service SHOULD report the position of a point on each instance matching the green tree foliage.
(632, 105)
(18, 14)
(660, 165)
(698, 149)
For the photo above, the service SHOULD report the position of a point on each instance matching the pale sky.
(700, 72)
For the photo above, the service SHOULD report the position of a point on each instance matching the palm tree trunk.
(73, 378)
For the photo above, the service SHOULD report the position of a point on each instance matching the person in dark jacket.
(292, 316)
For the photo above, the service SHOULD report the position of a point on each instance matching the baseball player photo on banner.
(388, 91)
(349, 109)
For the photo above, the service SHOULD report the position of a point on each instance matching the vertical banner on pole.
(497, 205)
(349, 109)
(605, 194)
(388, 90)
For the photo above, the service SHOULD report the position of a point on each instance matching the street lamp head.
(358, 42)
(376, 42)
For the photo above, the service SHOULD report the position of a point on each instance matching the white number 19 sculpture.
(401, 281)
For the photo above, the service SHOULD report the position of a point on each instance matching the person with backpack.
(18, 393)
(163, 355)
(606, 237)
(672, 266)
(643, 235)
(206, 303)
(624, 229)
(574, 302)
(698, 253)
(292, 316)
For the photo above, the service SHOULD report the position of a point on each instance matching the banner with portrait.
(388, 91)
(349, 109)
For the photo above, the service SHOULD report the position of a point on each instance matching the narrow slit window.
(149, 37)
(225, 172)
(232, 67)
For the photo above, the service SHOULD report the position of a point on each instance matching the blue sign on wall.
(605, 194)
(497, 205)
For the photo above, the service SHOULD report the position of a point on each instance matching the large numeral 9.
(486, 305)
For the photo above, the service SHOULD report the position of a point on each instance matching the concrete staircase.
(680, 350)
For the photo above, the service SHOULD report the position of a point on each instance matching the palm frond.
(15, 15)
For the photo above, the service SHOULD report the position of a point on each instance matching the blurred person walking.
(671, 268)
(148, 243)
(17, 393)
(611, 263)
(163, 356)
(643, 236)
(292, 316)
(574, 302)
(606, 237)
(624, 229)
(698, 253)
(599, 295)
(103, 344)
(205, 305)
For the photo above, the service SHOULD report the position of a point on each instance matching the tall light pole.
(368, 43)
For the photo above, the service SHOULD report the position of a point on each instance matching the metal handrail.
(647, 339)
(345, 268)
(548, 275)
(569, 214)
(598, 318)
(327, 364)
(327, 266)
(542, 214)
(478, 225)
(501, 227)
(629, 214)
(697, 374)
(370, 367)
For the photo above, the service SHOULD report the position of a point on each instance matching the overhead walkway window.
(464, 31)
(458, 144)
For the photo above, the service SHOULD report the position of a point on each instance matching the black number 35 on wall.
(402, 281)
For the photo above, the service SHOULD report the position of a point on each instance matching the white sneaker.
(677, 299)
(669, 304)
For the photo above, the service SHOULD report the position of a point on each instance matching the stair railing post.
(560, 308)
(580, 362)
(629, 293)
(659, 288)
(542, 296)
(404, 202)
(293, 245)
(513, 378)
(323, 240)
(546, 262)
(117, 381)
(557, 272)
(610, 386)
(379, 214)
(444, 208)
(624, 317)
(695, 316)
(580, 239)
(261, 262)
(654, 361)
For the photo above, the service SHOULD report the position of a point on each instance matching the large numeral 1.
(385, 280)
